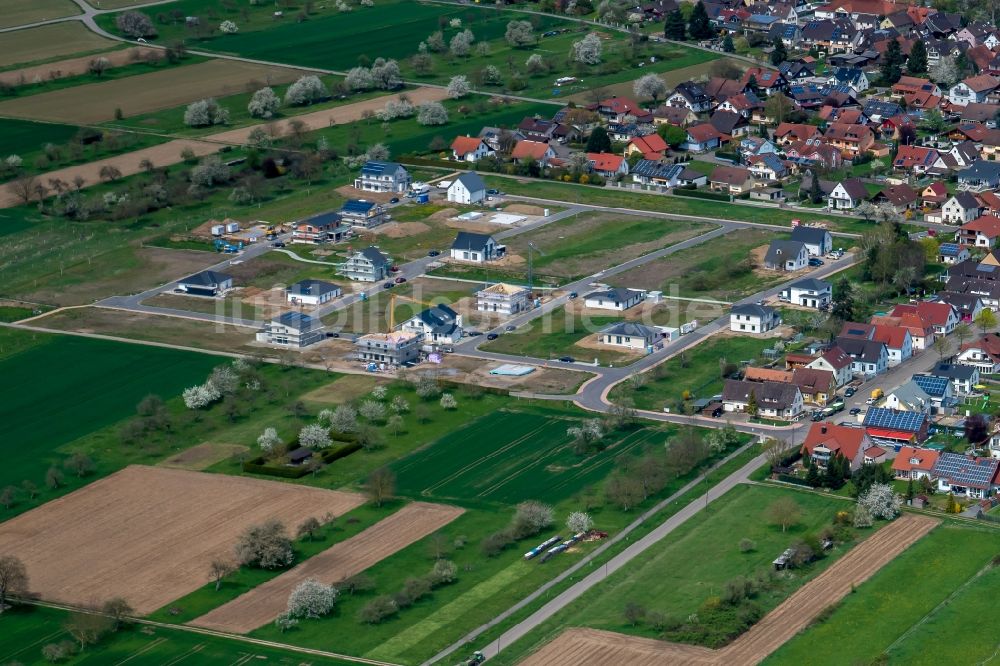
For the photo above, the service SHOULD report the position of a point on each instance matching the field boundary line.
(152, 644)
(217, 634)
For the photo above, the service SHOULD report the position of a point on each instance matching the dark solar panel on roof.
(879, 417)
(934, 386)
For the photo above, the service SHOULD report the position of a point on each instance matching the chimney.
(822, 429)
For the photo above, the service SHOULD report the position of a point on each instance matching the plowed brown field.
(148, 534)
(265, 602)
(591, 647)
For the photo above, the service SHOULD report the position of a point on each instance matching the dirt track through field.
(347, 558)
(72, 66)
(169, 153)
(148, 534)
(591, 647)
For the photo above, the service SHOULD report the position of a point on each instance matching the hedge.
(794, 479)
(700, 194)
(260, 465)
(332, 455)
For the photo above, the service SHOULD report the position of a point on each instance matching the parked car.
(394, 200)
(510, 327)
(400, 280)
(433, 253)
(815, 261)
(850, 391)
(394, 269)
(332, 334)
(277, 244)
(717, 412)
(473, 333)
(567, 359)
(573, 294)
(493, 192)
(854, 411)
(492, 336)
(388, 285)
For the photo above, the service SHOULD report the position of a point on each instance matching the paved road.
(614, 564)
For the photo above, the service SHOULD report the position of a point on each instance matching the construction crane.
(532, 248)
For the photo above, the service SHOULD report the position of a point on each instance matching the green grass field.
(61, 388)
(25, 630)
(557, 335)
(23, 136)
(511, 456)
(917, 609)
(697, 371)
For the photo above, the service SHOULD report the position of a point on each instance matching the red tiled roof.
(463, 145)
(988, 225)
(886, 433)
(703, 132)
(982, 83)
(651, 143)
(894, 337)
(533, 149)
(837, 358)
(799, 131)
(925, 459)
(843, 439)
(605, 161)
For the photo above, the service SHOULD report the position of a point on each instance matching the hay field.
(49, 41)
(148, 534)
(21, 12)
(96, 102)
(347, 558)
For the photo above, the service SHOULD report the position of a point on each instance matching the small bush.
(747, 545)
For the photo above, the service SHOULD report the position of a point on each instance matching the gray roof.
(632, 329)
(967, 200)
(911, 394)
(954, 371)
(310, 287)
(855, 188)
(439, 318)
(617, 294)
(375, 256)
(206, 279)
(811, 235)
(472, 181)
(960, 470)
(468, 240)
(297, 320)
(811, 283)
(753, 310)
(771, 395)
(781, 250)
(868, 351)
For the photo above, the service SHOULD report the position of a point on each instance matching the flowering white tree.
(224, 377)
(458, 87)
(520, 33)
(385, 74)
(344, 419)
(880, 501)
(448, 401)
(264, 103)
(650, 86)
(587, 432)
(455, 23)
(228, 28)
(205, 112)
(400, 405)
(862, 516)
(314, 436)
(579, 521)
(268, 440)
(284, 622)
(535, 64)
(306, 90)
(201, 396)
(372, 410)
(311, 598)
(13, 161)
(461, 44)
(946, 72)
(532, 517)
(396, 108)
(432, 113)
(492, 75)
(380, 392)
(360, 78)
(587, 50)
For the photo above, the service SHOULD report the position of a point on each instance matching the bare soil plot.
(71, 66)
(96, 102)
(548, 380)
(341, 390)
(203, 456)
(152, 328)
(148, 534)
(50, 41)
(347, 558)
(22, 12)
(586, 647)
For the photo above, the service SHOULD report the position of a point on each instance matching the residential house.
(786, 255)
(526, 151)
(970, 476)
(818, 387)
(914, 463)
(901, 197)
(981, 232)
(322, 228)
(921, 331)
(614, 109)
(768, 168)
(680, 116)
(690, 95)
(608, 165)
(894, 427)
(918, 160)
(755, 145)
(292, 329)
(940, 390)
(753, 318)
(614, 298)
(650, 146)
(818, 241)
(768, 81)
(701, 138)
(834, 360)
(389, 349)
(744, 104)
(311, 292)
(206, 283)
(630, 335)
(868, 357)
(963, 378)
(499, 139)
(649, 172)
(962, 208)
(729, 124)
(379, 176)
(809, 293)
(897, 340)
(857, 330)
(468, 188)
(980, 114)
(826, 440)
(851, 140)
(983, 354)
(438, 324)
(979, 176)
(362, 213)
(477, 248)
(790, 133)
(962, 154)
(913, 84)
(367, 265)
(847, 194)
(972, 89)
(470, 149)
(503, 299)
(908, 398)
(853, 78)
(941, 316)
(732, 180)
(776, 400)
(935, 194)
(968, 306)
